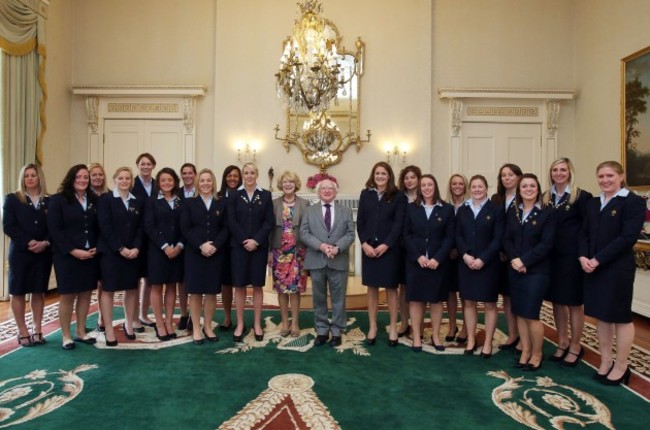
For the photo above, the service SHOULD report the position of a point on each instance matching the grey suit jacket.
(313, 233)
(299, 207)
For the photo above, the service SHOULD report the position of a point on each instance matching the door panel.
(487, 146)
(124, 140)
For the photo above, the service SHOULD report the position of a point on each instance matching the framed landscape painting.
(635, 145)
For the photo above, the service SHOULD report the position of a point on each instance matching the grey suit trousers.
(337, 282)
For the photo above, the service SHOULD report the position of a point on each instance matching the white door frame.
(175, 102)
(492, 105)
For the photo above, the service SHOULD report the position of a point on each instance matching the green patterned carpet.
(178, 385)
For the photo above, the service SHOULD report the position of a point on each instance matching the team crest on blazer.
(133, 210)
(488, 217)
(613, 212)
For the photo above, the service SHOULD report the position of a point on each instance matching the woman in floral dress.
(287, 254)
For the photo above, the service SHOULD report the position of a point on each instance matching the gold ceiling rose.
(319, 82)
(308, 77)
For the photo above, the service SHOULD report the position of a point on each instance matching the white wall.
(606, 32)
(412, 49)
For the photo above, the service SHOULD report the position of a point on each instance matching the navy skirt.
(29, 272)
(527, 292)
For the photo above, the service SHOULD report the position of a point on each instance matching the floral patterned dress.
(288, 260)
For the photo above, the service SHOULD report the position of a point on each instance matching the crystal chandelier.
(308, 77)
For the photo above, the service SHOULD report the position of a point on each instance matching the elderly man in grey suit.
(327, 230)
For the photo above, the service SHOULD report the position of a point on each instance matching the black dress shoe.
(101, 328)
(148, 324)
(210, 338)
(197, 341)
(416, 348)
(598, 377)
(577, 360)
(460, 339)
(111, 342)
(531, 367)
(336, 341)
(126, 333)
(625, 379)
(258, 337)
(68, 345)
(161, 337)
(138, 329)
(509, 345)
(224, 327)
(182, 323)
(236, 338)
(558, 358)
(321, 339)
(87, 340)
(392, 342)
(371, 341)
(469, 351)
(450, 337)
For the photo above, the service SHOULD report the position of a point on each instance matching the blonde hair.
(215, 189)
(123, 169)
(22, 191)
(450, 195)
(100, 167)
(291, 176)
(573, 188)
(251, 165)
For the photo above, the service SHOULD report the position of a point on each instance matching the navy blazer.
(480, 237)
(531, 241)
(119, 226)
(162, 223)
(609, 235)
(200, 225)
(569, 222)
(433, 236)
(140, 193)
(380, 221)
(23, 222)
(70, 226)
(250, 219)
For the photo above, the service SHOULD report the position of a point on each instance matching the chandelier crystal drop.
(308, 76)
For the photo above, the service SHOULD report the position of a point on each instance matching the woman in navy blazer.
(144, 188)
(30, 255)
(72, 222)
(429, 236)
(380, 220)
(507, 179)
(98, 186)
(231, 180)
(250, 220)
(528, 240)
(565, 290)
(204, 229)
(479, 230)
(121, 225)
(187, 190)
(611, 228)
(162, 226)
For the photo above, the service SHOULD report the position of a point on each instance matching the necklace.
(289, 201)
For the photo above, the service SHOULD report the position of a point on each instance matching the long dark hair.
(436, 193)
(402, 174)
(500, 196)
(391, 188)
(224, 185)
(67, 184)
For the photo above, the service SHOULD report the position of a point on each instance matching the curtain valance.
(18, 28)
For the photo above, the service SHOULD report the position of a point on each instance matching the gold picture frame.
(635, 119)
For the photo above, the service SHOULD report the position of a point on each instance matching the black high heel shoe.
(558, 358)
(486, 355)
(469, 351)
(238, 338)
(510, 345)
(625, 379)
(451, 337)
(598, 377)
(531, 367)
(577, 361)
(210, 338)
(392, 342)
(161, 337)
(259, 337)
(126, 333)
(437, 347)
